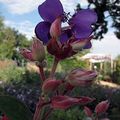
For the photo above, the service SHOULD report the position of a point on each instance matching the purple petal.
(82, 21)
(65, 35)
(82, 31)
(42, 31)
(88, 45)
(50, 10)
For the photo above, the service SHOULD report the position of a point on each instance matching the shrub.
(11, 74)
(18, 75)
(71, 114)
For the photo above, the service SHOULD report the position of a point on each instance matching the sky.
(23, 16)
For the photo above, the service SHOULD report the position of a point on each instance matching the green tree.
(7, 43)
(10, 42)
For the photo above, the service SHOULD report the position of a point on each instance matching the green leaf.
(14, 109)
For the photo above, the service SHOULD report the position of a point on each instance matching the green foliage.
(12, 74)
(68, 64)
(10, 42)
(14, 109)
(7, 43)
(30, 77)
(18, 75)
(71, 114)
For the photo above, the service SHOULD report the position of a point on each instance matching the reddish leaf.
(102, 107)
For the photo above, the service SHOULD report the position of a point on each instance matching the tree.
(10, 42)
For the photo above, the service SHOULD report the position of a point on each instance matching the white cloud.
(26, 6)
(25, 27)
(109, 45)
(70, 5)
(20, 6)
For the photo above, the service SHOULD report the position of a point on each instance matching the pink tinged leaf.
(102, 107)
(63, 102)
(26, 54)
(80, 44)
(50, 85)
(53, 47)
(85, 100)
(60, 51)
(55, 29)
(38, 50)
(88, 111)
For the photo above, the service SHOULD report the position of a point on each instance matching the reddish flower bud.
(102, 107)
(50, 85)
(38, 51)
(55, 29)
(80, 77)
(88, 111)
(85, 100)
(63, 102)
(26, 54)
(4, 118)
(80, 44)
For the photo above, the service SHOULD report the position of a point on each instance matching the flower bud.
(102, 107)
(5, 117)
(88, 111)
(38, 51)
(26, 54)
(63, 102)
(80, 77)
(85, 100)
(55, 29)
(50, 85)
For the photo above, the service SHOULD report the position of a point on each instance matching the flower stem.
(37, 111)
(40, 108)
(42, 75)
(54, 67)
(47, 114)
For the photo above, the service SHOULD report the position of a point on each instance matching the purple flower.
(79, 24)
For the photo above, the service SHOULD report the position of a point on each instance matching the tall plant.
(62, 42)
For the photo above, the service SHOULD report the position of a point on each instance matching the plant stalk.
(56, 61)
(42, 75)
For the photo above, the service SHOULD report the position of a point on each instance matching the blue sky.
(23, 16)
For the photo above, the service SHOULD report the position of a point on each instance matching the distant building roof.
(96, 58)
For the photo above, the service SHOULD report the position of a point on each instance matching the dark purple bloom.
(79, 24)
(50, 10)
(42, 31)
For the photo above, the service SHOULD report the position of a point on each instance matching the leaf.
(14, 109)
